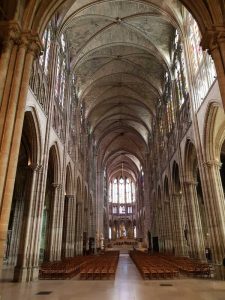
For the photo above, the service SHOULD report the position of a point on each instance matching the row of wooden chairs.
(152, 268)
(102, 267)
(168, 266)
(190, 267)
(67, 268)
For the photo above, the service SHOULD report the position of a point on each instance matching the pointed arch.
(214, 131)
(69, 180)
(176, 178)
(54, 162)
(190, 161)
(31, 132)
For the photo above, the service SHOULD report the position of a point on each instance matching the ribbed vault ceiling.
(120, 51)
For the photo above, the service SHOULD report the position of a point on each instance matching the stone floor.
(128, 285)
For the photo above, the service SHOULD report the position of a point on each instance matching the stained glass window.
(110, 192)
(46, 41)
(121, 191)
(202, 66)
(115, 191)
(128, 191)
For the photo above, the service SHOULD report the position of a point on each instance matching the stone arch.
(69, 180)
(190, 161)
(214, 131)
(33, 128)
(78, 189)
(195, 202)
(168, 243)
(36, 16)
(79, 218)
(67, 213)
(214, 141)
(85, 220)
(159, 196)
(176, 178)
(52, 194)
(28, 160)
(54, 160)
(166, 188)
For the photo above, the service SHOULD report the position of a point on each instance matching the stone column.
(9, 34)
(55, 229)
(70, 234)
(24, 264)
(196, 235)
(11, 116)
(216, 214)
(168, 238)
(180, 248)
(79, 233)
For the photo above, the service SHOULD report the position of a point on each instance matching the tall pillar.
(23, 270)
(11, 117)
(55, 230)
(79, 232)
(70, 228)
(216, 214)
(195, 228)
(180, 242)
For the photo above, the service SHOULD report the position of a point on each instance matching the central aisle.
(128, 285)
(126, 270)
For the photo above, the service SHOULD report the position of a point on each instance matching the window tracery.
(121, 191)
(201, 64)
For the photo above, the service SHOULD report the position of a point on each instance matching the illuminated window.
(115, 191)
(202, 66)
(121, 191)
(110, 192)
(128, 191)
(46, 41)
(114, 209)
(61, 72)
(122, 209)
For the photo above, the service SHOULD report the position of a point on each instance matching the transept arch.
(23, 198)
(195, 203)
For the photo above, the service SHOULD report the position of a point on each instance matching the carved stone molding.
(190, 182)
(213, 163)
(11, 32)
(213, 37)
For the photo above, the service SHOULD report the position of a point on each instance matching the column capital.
(190, 182)
(9, 31)
(31, 42)
(70, 197)
(177, 194)
(57, 185)
(213, 37)
(35, 167)
(213, 163)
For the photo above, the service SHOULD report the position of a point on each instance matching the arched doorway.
(180, 243)
(196, 229)
(167, 216)
(16, 253)
(48, 244)
(67, 238)
(79, 217)
(85, 223)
